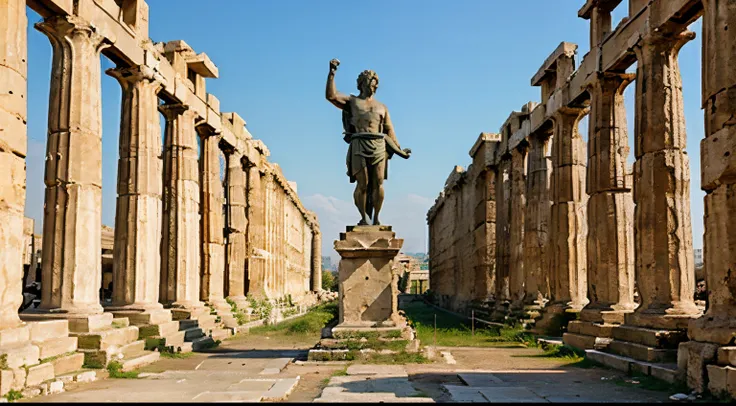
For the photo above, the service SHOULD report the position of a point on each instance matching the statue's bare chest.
(367, 115)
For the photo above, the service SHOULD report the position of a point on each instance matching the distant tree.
(329, 282)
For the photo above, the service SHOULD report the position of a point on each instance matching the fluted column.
(516, 224)
(316, 260)
(180, 264)
(212, 288)
(73, 201)
(569, 229)
(610, 247)
(256, 231)
(136, 260)
(13, 106)
(718, 170)
(237, 227)
(663, 235)
(537, 220)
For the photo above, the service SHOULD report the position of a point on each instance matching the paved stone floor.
(258, 369)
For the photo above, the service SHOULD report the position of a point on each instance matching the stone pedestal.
(368, 286)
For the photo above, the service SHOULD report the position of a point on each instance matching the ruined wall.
(462, 232)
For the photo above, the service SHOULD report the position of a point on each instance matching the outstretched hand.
(407, 151)
(334, 63)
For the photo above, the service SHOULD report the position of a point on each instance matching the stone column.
(256, 231)
(610, 248)
(237, 227)
(316, 260)
(136, 259)
(718, 166)
(663, 239)
(503, 209)
(212, 289)
(516, 225)
(569, 230)
(72, 222)
(181, 249)
(537, 219)
(13, 70)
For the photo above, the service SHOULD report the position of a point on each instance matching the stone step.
(585, 342)
(202, 343)
(665, 371)
(67, 363)
(15, 337)
(48, 330)
(134, 347)
(94, 358)
(188, 324)
(185, 347)
(221, 334)
(79, 376)
(641, 352)
(162, 330)
(19, 355)
(101, 340)
(182, 314)
(207, 322)
(590, 329)
(661, 339)
(39, 373)
(139, 359)
(119, 322)
(281, 389)
(193, 333)
(57, 346)
(229, 321)
(172, 340)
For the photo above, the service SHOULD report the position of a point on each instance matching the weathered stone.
(368, 287)
(693, 358)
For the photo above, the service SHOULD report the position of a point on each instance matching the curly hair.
(366, 76)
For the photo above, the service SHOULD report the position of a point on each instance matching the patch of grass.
(13, 395)
(419, 394)
(402, 357)
(310, 323)
(341, 372)
(176, 355)
(115, 370)
(376, 344)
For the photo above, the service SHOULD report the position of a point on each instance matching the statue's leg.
(360, 194)
(378, 171)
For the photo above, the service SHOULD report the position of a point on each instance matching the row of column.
(167, 250)
(601, 241)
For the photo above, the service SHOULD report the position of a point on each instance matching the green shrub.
(329, 282)
(13, 395)
(115, 370)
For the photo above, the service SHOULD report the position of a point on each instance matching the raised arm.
(331, 94)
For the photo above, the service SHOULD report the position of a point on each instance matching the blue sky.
(448, 71)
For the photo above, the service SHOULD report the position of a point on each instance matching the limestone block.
(13, 139)
(19, 378)
(718, 157)
(726, 356)
(67, 364)
(56, 346)
(14, 336)
(12, 186)
(13, 89)
(695, 356)
(56, 387)
(650, 337)
(39, 373)
(6, 381)
(718, 40)
(568, 184)
(13, 36)
(47, 330)
(19, 355)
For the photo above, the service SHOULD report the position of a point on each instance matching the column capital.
(173, 110)
(658, 41)
(134, 74)
(61, 29)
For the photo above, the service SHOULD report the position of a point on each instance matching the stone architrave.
(663, 253)
(368, 286)
(569, 230)
(212, 288)
(316, 259)
(610, 247)
(718, 175)
(72, 223)
(537, 220)
(516, 225)
(136, 259)
(13, 107)
(237, 228)
(180, 257)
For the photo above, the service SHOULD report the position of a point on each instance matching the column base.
(604, 316)
(138, 317)
(719, 329)
(659, 320)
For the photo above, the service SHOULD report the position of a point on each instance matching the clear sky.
(448, 71)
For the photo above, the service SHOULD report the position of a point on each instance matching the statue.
(368, 129)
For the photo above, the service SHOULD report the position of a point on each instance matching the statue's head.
(368, 82)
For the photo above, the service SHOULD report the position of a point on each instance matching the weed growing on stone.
(310, 323)
(176, 355)
(55, 357)
(262, 308)
(4, 361)
(13, 395)
(115, 370)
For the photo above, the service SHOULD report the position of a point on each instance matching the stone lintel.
(586, 11)
(202, 65)
(520, 136)
(484, 138)
(565, 49)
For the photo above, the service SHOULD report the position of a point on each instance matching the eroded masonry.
(187, 244)
(545, 229)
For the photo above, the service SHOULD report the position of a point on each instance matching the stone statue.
(368, 129)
